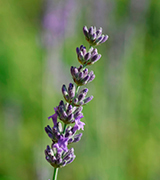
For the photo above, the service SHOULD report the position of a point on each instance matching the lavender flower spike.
(67, 117)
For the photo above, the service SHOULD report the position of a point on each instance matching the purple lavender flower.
(67, 113)
(78, 99)
(93, 36)
(87, 58)
(80, 76)
(56, 135)
(70, 113)
(57, 157)
(69, 136)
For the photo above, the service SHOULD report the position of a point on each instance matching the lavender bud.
(85, 72)
(91, 31)
(94, 52)
(88, 99)
(85, 31)
(77, 50)
(63, 115)
(83, 50)
(99, 39)
(59, 126)
(104, 39)
(91, 78)
(64, 90)
(70, 118)
(74, 71)
(80, 67)
(81, 47)
(74, 129)
(95, 58)
(68, 128)
(80, 76)
(84, 91)
(81, 97)
(87, 56)
(71, 160)
(77, 114)
(71, 90)
(61, 103)
(94, 29)
(80, 55)
(93, 37)
(99, 32)
(79, 109)
(85, 80)
(69, 133)
(77, 137)
(69, 109)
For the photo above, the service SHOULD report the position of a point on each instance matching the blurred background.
(38, 39)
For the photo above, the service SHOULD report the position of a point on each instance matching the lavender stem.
(55, 174)
(64, 129)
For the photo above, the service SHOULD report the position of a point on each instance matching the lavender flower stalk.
(70, 113)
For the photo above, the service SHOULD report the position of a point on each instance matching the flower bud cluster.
(67, 113)
(81, 76)
(70, 113)
(57, 157)
(87, 58)
(71, 97)
(93, 36)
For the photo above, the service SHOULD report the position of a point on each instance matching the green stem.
(65, 125)
(55, 174)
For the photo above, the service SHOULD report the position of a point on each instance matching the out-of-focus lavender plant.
(64, 131)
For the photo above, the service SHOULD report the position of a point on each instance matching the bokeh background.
(121, 140)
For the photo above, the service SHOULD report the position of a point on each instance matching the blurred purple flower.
(58, 18)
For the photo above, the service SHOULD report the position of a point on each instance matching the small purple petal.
(80, 124)
(104, 39)
(54, 118)
(59, 150)
(63, 142)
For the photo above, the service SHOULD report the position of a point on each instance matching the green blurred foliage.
(122, 132)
